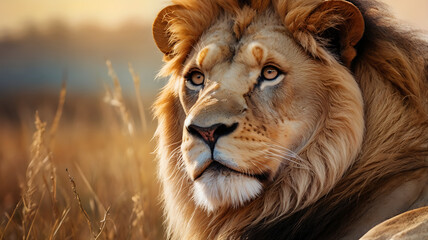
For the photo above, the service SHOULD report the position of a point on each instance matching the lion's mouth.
(218, 167)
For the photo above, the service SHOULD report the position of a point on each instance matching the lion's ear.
(339, 25)
(161, 33)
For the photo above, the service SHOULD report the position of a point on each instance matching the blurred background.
(99, 127)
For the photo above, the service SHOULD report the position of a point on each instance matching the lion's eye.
(196, 78)
(270, 76)
(270, 73)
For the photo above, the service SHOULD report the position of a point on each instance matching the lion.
(289, 119)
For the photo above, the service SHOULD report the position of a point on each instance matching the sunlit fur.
(212, 191)
(329, 136)
(409, 225)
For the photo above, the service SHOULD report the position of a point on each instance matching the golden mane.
(391, 69)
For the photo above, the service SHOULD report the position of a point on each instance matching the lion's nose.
(211, 134)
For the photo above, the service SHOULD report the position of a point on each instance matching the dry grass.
(82, 170)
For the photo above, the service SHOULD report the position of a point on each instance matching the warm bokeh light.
(18, 13)
(415, 12)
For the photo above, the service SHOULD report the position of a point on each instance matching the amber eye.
(270, 73)
(196, 78)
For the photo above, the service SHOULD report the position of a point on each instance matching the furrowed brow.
(210, 55)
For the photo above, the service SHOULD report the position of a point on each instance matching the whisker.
(301, 166)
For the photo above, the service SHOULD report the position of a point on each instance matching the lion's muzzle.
(211, 134)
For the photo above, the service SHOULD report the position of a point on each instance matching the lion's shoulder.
(409, 225)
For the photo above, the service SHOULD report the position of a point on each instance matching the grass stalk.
(88, 185)
(118, 100)
(79, 201)
(137, 85)
(35, 216)
(10, 219)
(59, 111)
(103, 223)
(58, 224)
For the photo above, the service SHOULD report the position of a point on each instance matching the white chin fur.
(213, 190)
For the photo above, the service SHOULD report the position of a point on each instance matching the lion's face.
(262, 105)
(251, 106)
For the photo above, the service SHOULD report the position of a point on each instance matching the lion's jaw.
(215, 189)
(241, 165)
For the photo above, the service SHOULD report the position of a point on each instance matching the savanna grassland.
(78, 166)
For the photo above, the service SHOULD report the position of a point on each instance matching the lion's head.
(261, 114)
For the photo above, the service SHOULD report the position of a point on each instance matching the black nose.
(211, 134)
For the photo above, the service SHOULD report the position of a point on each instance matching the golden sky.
(414, 12)
(16, 14)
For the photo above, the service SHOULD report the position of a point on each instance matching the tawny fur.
(403, 226)
(391, 70)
